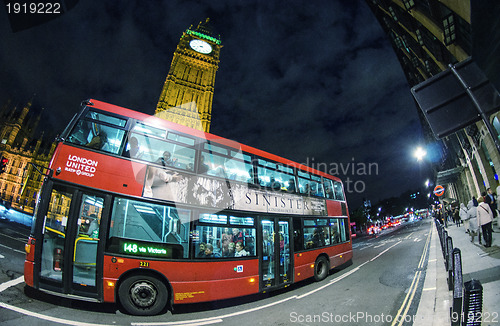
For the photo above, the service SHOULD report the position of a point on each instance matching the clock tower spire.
(186, 97)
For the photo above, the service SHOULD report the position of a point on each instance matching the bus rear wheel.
(143, 295)
(321, 268)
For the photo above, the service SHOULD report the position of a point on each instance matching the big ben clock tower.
(186, 97)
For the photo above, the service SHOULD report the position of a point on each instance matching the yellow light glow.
(312, 265)
(252, 280)
(111, 284)
(27, 248)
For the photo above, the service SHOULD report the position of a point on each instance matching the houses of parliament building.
(25, 147)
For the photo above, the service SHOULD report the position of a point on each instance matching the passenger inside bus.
(93, 230)
(201, 250)
(209, 252)
(274, 184)
(166, 159)
(237, 235)
(240, 250)
(225, 239)
(133, 149)
(328, 192)
(202, 167)
(230, 250)
(98, 141)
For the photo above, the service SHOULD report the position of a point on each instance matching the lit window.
(409, 4)
(393, 13)
(449, 30)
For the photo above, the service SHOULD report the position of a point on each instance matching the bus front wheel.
(321, 268)
(143, 295)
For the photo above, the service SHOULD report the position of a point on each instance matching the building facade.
(25, 150)
(186, 97)
(428, 36)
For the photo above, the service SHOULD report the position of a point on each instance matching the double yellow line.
(402, 312)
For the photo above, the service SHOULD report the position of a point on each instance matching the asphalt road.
(381, 287)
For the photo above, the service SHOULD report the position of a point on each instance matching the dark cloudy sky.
(312, 81)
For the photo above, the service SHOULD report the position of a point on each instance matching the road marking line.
(19, 251)
(413, 288)
(4, 286)
(16, 239)
(48, 318)
(335, 280)
(209, 319)
(383, 252)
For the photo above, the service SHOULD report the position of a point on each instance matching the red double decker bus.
(141, 211)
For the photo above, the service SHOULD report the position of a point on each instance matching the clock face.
(200, 46)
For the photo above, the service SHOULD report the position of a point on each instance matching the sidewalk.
(478, 262)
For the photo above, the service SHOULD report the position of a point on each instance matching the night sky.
(314, 82)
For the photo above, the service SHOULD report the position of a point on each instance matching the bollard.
(473, 303)
(457, 285)
(444, 247)
(449, 261)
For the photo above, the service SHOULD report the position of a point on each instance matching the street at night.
(250, 163)
(383, 284)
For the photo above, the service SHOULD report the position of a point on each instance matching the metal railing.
(468, 296)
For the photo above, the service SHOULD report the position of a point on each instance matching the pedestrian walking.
(485, 219)
(456, 216)
(472, 218)
(492, 201)
(464, 217)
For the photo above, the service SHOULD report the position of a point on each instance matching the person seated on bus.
(250, 245)
(201, 250)
(209, 252)
(273, 184)
(335, 233)
(98, 141)
(166, 159)
(202, 167)
(313, 189)
(93, 230)
(230, 250)
(318, 238)
(133, 150)
(328, 192)
(240, 250)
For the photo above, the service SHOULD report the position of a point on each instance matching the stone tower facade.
(186, 97)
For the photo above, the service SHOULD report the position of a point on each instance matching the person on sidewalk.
(464, 217)
(485, 218)
(472, 219)
(456, 216)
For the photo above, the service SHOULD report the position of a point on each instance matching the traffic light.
(3, 164)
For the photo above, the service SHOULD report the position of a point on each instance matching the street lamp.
(419, 153)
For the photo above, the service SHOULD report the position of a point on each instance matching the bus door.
(70, 241)
(275, 261)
